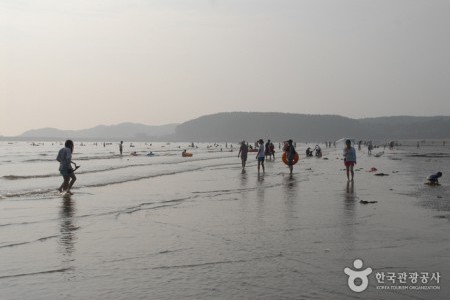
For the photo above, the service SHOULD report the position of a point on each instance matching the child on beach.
(243, 153)
(65, 168)
(349, 158)
(434, 178)
(261, 155)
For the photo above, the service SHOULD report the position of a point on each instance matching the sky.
(75, 64)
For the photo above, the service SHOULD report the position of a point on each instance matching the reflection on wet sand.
(290, 195)
(67, 238)
(349, 214)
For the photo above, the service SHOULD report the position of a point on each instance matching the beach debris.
(367, 202)
(379, 154)
(381, 174)
(326, 250)
(373, 169)
(325, 158)
(439, 197)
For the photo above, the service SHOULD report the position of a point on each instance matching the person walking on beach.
(261, 155)
(243, 153)
(272, 151)
(349, 158)
(290, 154)
(267, 149)
(370, 148)
(65, 167)
(121, 147)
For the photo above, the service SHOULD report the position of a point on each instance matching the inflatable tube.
(284, 158)
(186, 154)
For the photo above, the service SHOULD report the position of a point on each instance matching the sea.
(151, 224)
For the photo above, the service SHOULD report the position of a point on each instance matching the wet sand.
(218, 233)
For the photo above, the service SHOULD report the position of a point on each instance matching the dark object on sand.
(367, 202)
(381, 174)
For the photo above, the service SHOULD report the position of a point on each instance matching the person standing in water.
(349, 159)
(121, 147)
(65, 167)
(290, 155)
(243, 153)
(261, 155)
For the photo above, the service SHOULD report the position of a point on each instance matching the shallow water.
(167, 227)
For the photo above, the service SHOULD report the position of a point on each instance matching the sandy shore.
(217, 233)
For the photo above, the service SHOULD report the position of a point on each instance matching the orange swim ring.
(284, 158)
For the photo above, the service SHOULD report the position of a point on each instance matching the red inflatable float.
(284, 158)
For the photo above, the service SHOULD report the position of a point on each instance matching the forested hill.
(235, 126)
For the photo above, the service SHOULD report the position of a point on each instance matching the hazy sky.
(79, 63)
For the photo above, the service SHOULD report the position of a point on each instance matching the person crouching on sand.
(349, 158)
(434, 178)
(261, 155)
(65, 167)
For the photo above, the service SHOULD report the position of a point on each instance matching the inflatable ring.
(284, 158)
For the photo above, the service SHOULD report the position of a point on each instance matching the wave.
(214, 263)
(17, 177)
(29, 242)
(151, 163)
(429, 155)
(53, 191)
(39, 160)
(38, 273)
(29, 193)
(154, 205)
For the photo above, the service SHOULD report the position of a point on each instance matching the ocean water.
(168, 227)
(30, 168)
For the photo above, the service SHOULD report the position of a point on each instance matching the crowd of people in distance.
(263, 152)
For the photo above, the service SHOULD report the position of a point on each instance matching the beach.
(172, 227)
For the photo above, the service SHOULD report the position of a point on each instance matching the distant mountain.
(125, 131)
(235, 126)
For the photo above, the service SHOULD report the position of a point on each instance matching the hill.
(125, 131)
(235, 126)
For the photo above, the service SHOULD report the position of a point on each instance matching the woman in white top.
(261, 155)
